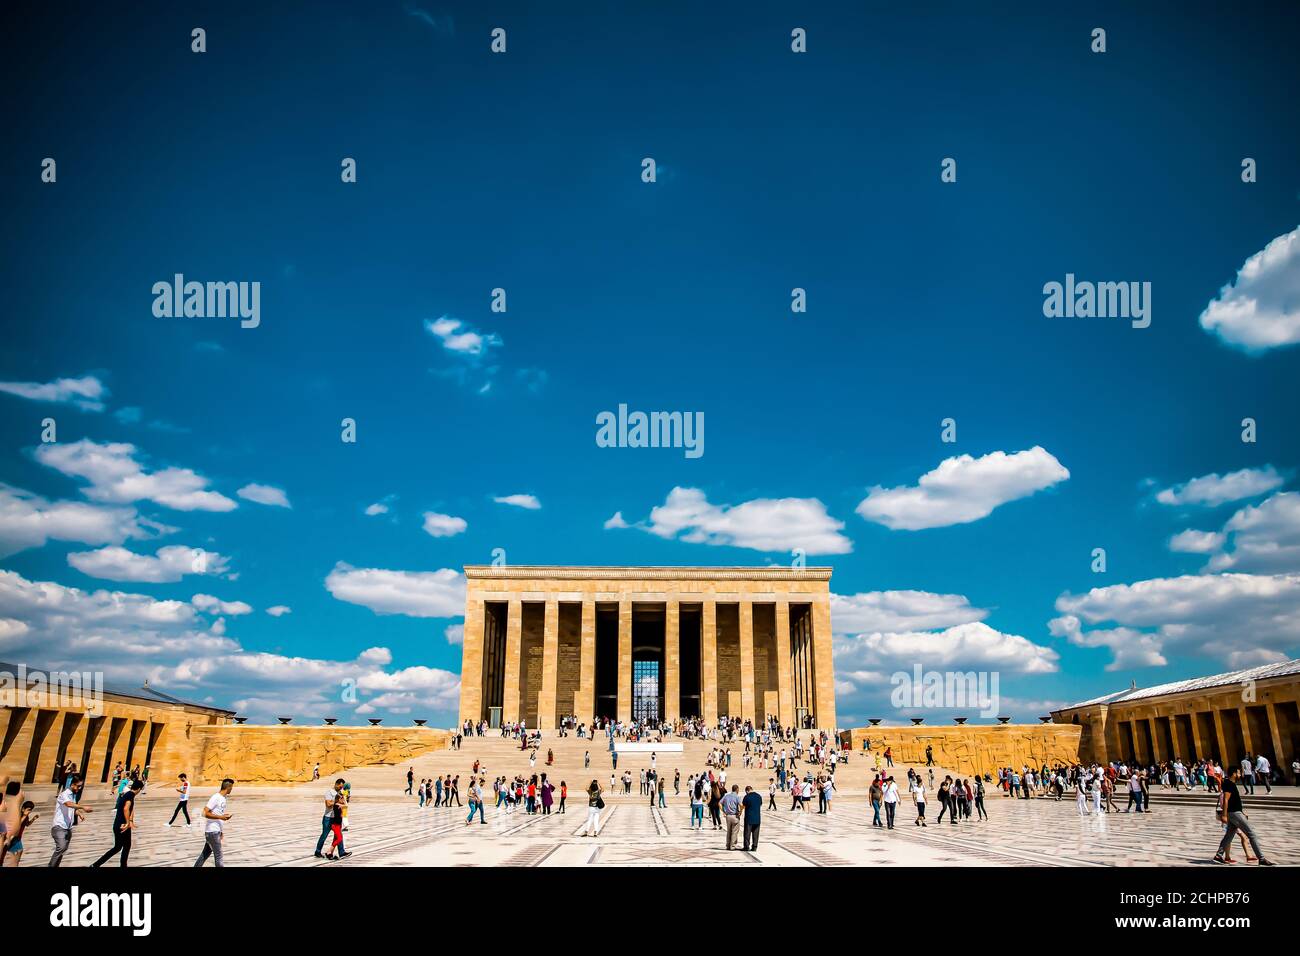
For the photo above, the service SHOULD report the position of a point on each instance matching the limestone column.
(785, 684)
(511, 709)
(1247, 739)
(1275, 733)
(1157, 754)
(672, 660)
(586, 705)
(747, 658)
(1222, 739)
(823, 669)
(624, 659)
(1198, 745)
(1176, 738)
(471, 662)
(709, 663)
(546, 715)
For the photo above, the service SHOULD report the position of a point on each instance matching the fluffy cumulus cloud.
(413, 593)
(264, 495)
(443, 526)
(87, 393)
(1260, 310)
(763, 524)
(171, 563)
(134, 637)
(213, 605)
(116, 477)
(459, 338)
(28, 521)
(1263, 537)
(615, 521)
(527, 502)
(894, 611)
(1192, 541)
(455, 633)
(963, 489)
(1214, 490)
(1238, 619)
(881, 634)
(279, 610)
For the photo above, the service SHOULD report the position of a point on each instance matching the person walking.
(66, 811)
(183, 804)
(1231, 815)
(697, 803)
(979, 798)
(891, 801)
(595, 803)
(730, 807)
(410, 780)
(752, 806)
(333, 801)
(215, 816)
(123, 824)
(475, 799)
(564, 795)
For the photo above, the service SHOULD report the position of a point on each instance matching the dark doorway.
(607, 660)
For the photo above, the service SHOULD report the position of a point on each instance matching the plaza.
(279, 826)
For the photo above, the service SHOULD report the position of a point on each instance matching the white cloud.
(459, 338)
(28, 521)
(443, 526)
(116, 477)
(616, 521)
(413, 593)
(87, 393)
(963, 489)
(1192, 541)
(265, 495)
(213, 605)
(378, 508)
(279, 610)
(170, 563)
(1261, 309)
(529, 502)
(133, 637)
(763, 524)
(973, 645)
(1129, 648)
(455, 633)
(894, 611)
(1214, 490)
(1263, 537)
(1232, 617)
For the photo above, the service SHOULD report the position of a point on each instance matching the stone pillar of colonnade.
(546, 712)
(785, 681)
(511, 703)
(585, 705)
(823, 669)
(746, 659)
(709, 663)
(624, 659)
(672, 660)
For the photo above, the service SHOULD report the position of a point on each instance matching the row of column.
(1197, 746)
(548, 710)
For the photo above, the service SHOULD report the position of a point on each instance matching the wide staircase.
(500, 756)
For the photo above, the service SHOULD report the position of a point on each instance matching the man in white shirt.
(891, 801)
(1263, 770)
(66, 809)
(183, 804)
(215, 816)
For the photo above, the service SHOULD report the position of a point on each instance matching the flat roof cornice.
(534, 572)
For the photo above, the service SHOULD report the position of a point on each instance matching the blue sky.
(522, 171)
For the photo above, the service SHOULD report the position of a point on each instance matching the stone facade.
(279, 754)
(973, 749)
(545, 642)
(1254, 711)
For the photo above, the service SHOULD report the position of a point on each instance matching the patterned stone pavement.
(280, 828)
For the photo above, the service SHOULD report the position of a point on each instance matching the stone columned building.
(659, 644)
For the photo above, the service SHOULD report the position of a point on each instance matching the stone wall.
(286, 754)
(974, 749)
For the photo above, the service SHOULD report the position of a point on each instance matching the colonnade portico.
(657, 643)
